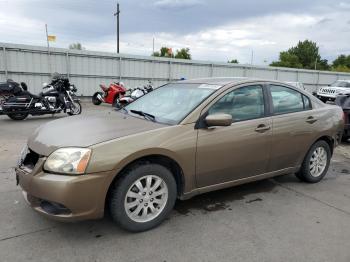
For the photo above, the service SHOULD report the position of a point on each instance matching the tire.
(95, 100)
(77, 110)
(345, 138)
(306, 173)
(18, 116)
(126, 184)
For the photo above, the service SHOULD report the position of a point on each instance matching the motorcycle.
(110, 95)
(134, 94)
(56, 97)
(7, 89)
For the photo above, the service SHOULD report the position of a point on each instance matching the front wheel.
(18, 116)
(316, 163)
(75, 108)
(143, 197)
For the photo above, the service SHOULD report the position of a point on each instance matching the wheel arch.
(160, 159)
(329, 140)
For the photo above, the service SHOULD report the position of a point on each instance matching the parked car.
(329, 93)
(181, 140)
(344, 102)
(297, 85)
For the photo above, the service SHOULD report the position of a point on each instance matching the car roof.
(344, 80)
(222, 81)
(219, 80)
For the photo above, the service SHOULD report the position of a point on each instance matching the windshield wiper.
(145, 115)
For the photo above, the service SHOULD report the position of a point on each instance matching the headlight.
(68, 161)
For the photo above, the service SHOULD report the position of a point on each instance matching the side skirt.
(237, 182)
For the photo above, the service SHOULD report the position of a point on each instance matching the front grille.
(30, 159)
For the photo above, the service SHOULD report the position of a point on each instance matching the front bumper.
(326, 96)
(63, 197)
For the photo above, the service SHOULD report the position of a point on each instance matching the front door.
(240, 150)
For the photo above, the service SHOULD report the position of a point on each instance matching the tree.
(76, 46)
(304, 55)
(287, 59)
(183, 53)
(233, 61)
(341, 68)
(342, 61)
(164, 52)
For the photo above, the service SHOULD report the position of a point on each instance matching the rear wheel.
(18, 116)
(143, 197)
(95, 100)
(316, 163)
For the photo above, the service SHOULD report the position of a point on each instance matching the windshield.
(341, 84)
(171, 103)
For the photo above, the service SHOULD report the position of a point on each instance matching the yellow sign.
(51, 38)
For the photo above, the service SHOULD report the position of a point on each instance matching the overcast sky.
(216, 30)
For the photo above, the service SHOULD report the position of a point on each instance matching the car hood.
(334, 90)
(84, 131)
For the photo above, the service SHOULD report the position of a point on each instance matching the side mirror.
(219, 120)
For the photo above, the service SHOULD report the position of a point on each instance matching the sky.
(214, 30)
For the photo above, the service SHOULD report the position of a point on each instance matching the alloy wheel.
(146, 198)
(318, 162)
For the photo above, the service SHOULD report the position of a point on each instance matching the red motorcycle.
(110, 95)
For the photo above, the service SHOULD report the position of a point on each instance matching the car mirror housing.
(218, 120)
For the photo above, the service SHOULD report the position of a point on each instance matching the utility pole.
(48, 48)
(316, 63)
(153, 46)
(117, 15)
(252, 58)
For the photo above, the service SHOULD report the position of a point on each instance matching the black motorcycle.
(56, 97)
(9, 88)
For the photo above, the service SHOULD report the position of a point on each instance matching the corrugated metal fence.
(87, 69)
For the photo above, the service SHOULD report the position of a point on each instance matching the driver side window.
(244, 103)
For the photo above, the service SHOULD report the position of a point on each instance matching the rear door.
(294, 123)
(240, 150)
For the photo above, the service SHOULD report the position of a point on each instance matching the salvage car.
(329, 93)
(183, 139)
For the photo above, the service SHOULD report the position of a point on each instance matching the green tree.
(304, 55)
(183, 53)
(164, 52)
(341, 68)
(342, 61)
(287, 59)
(233, 61)
(76, 46)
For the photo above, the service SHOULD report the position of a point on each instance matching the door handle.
(311, 120)
(262, 128)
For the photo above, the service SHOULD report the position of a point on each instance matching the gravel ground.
(278, 219)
